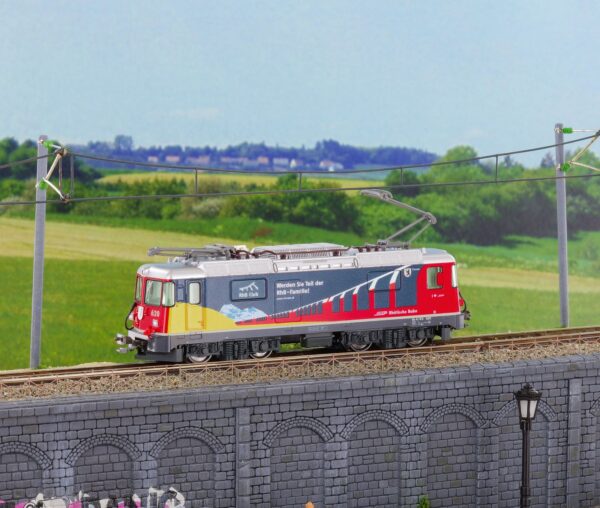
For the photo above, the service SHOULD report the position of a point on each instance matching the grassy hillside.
(125, 234)
(90, 270)
(85, 303)
(75, 241)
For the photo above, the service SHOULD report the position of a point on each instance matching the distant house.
(172, 159)
(328, 165)
(201, 160)
(233, 161)
(251, 164)
(296, 163)
(281, 162)
(153, 159)
(263, 160)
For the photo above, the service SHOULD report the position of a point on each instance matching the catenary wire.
(24, 161)
(315, 171)
(299, 172)
(293, 191)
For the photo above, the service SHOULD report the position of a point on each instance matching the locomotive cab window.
(153, 292)
(138, 289)
(168, 294)
(194, 293)
(433, 277)
(454, 277)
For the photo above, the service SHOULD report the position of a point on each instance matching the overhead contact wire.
(315, 171)
(24, 161)
(294, 191)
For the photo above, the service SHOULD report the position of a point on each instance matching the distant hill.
(328, 156)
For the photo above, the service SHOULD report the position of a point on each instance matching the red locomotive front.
(153, 298)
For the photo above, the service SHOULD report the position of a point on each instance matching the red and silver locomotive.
(231, 302)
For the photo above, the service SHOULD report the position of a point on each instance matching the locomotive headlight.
(155, 323)
(140, 312)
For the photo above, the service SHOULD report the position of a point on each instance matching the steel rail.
(245, 368)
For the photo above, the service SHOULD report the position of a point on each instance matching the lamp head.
(527, 402)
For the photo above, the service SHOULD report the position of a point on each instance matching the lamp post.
(527, 402)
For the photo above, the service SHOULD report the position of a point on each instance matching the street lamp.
(527, 403)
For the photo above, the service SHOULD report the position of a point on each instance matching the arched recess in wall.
(511, 407)
(189, 457)
(295, 452)
(104, 465)
(507, 438)
(595, 409)
(105, 439)
(373, 442)
(26, 449)
(452, 435)
(190, 432)
(385, 416)
(24, 470)
(316, 426)
(595, 412)
(470, 412)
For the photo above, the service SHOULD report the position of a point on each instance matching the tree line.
(327, 150)
(466, 212)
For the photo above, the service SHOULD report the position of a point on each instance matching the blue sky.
(426, 74)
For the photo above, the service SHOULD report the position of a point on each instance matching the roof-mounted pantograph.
(387, 197)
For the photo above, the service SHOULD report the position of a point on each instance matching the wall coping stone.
(238, 393)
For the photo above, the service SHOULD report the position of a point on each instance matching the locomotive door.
(288, 301)
(193, 310)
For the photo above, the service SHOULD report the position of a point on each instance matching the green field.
(204, 178)
(89, 274)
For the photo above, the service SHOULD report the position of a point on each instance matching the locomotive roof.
(263, 266)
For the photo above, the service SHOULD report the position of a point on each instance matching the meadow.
(90, 270)
(241, 179)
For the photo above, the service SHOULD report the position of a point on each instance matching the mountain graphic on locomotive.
(231, 303)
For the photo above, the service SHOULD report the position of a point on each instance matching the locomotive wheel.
(199, 359)
(416, 342)
(421, 339)
(261, 355)
(358, 345)
(193, 358)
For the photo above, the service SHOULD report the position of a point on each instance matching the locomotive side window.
(194, 293)
(168, 295)
(433, 279)
(138, 290)
(153, 292)
(454, 277)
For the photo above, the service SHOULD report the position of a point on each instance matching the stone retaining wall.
(379, 441)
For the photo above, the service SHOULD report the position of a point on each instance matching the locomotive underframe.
(236, 344)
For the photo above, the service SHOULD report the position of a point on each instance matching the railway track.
(290, 361)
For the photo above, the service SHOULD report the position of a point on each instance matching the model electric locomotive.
(231, 302)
